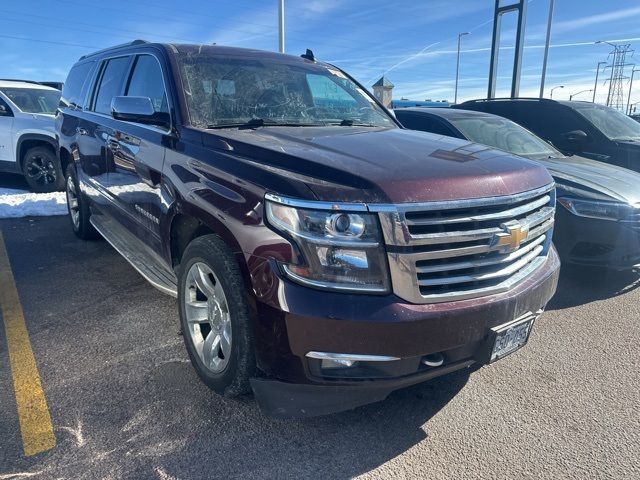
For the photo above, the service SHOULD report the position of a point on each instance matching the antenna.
(308, 55)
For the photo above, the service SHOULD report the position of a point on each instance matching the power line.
(90, 47)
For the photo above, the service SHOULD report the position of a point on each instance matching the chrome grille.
(445, 251)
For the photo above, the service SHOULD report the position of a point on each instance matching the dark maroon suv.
(321, 254)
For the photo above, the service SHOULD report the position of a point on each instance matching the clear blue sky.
(366, 38)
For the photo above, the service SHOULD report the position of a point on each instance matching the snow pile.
(21, 203)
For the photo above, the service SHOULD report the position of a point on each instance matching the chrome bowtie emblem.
(512, 237)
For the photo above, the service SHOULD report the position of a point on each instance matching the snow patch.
(21, 203)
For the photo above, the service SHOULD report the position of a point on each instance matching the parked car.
(600, 222)
(320, 253)
(575, 128)
(27, 139)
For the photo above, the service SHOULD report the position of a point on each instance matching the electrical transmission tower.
(615, 97)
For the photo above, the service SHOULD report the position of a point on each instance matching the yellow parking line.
(33, 412)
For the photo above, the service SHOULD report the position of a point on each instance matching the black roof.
(520, 99)
(203, 48)
(444, 112)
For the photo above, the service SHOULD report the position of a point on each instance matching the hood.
(380, 165)
(602, 179)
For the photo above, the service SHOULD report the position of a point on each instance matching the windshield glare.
(34, 100)
(612, 123)
(505, 135)
(223, 91)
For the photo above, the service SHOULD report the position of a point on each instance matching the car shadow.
(10, 180)
(580, 285)
(343, 445)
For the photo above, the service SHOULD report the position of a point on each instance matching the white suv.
(27, 138)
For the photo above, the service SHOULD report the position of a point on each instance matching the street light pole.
(630, 87)
(546, 49)
(578, 93)
(281, 24)
(559, 86)
(455, 96)
(595, 86)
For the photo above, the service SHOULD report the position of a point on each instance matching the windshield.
(612, 123)
(504, 134)
(34, 100)
(227, 91)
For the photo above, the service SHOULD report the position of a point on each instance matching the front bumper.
(299, 320)
(594, 242)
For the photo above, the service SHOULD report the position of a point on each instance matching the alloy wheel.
(72, 202)
(41, 170)
(208, 317)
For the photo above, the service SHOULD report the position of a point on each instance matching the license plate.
(511, 336)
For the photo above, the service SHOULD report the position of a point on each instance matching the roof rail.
(479, 100)
(115, 47)
(18, 80)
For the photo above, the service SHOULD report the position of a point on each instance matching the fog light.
(337, 363)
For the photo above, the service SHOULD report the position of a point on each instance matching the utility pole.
(630, 87)
(615, 97)
(595, 86)
(546, 49)
(281, 24)
(455, 96)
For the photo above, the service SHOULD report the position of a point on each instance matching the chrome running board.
(137, 254)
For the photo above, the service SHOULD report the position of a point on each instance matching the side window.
(425, 124)
(146, 81)
(110, 84)
(75, 88)
(6, 110)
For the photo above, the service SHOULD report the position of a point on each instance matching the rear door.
(95, 129)
(138, 153)
(6, 143)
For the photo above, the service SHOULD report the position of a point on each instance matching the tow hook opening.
(433, 360)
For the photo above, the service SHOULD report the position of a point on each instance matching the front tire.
(215, 318)
(78, 207)
(42, 170)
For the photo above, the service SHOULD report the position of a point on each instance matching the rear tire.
(42, 170)
(78, 207)
(214, 316)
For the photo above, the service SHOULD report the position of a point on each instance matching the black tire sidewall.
(234, 379)
(56, 186)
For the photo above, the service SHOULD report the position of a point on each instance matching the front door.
(138, 152)
(6, 126)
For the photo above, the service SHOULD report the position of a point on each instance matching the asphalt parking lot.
(125, 403)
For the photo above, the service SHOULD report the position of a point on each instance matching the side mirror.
(576, 137)
(139, 110)
(5, 112)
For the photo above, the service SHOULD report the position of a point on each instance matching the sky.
(413, 42)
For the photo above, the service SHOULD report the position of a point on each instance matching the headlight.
(595, 209)
(343, 250)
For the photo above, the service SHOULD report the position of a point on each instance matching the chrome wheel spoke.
(203, 281)
(225, 342)
(210, 349)
(197, 312)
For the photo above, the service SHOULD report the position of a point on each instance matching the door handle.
(81, 131)
(113, 145)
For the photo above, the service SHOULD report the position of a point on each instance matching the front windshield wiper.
(260, 122)
(349, 122)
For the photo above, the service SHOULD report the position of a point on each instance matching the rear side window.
(424, 123)
(110, 83)
(75, 88)
(146, 81)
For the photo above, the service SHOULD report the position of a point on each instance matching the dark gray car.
(600, 222)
